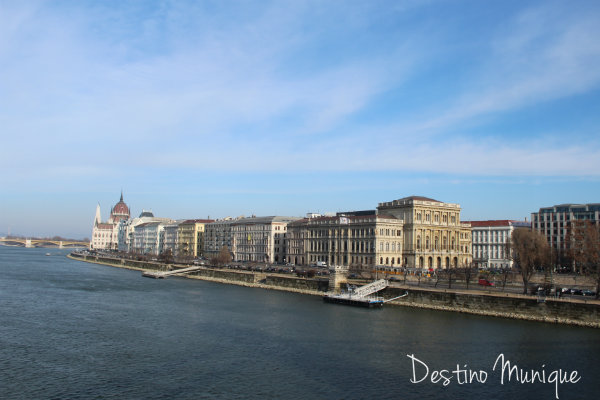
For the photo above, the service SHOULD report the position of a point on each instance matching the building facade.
(564, 227)
(218, 235)
(489, 242)
(362, 241)
(170, 237)
(433, 234)
(556, 223)
(260, 239)
(190, 237)
(105, 235)
(127, 228)
(149, 238)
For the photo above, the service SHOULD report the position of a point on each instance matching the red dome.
(121, 208)
(120, 211)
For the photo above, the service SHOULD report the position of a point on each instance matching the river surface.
(73, 330)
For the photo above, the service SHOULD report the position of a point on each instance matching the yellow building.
(190, 237)
(433, 234)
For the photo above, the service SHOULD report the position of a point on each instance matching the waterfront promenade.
(568, 310)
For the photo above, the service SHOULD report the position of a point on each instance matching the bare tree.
(222, 258)
(506, 273)
(591, 253)
(468, 273)
(530, 252)
(450, 272)
(438, 275)
(166, 256)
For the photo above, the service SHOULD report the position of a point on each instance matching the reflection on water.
(75, 330)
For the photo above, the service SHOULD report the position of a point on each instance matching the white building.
(126, 231)
(489, 242)
(105, 235)
(171, 237)
(149, 238)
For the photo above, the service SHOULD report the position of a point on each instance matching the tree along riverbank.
(497, 304)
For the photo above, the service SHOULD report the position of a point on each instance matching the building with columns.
(433, 234)
(361, 240)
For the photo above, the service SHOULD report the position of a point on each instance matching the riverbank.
(504, 305)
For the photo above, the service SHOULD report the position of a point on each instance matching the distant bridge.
(18, 242)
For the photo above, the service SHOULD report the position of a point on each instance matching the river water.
(73, 330)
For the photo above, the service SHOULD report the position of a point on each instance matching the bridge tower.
(28, 243)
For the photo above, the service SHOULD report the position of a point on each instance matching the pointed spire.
(121, 195)
(97, 218)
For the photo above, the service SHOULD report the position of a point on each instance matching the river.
(73, 330)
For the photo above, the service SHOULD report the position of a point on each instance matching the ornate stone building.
(363, 240)
(433, 234)
(105, 235)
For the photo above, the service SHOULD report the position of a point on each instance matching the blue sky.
(217, 108)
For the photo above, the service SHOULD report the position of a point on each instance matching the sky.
(208, 109)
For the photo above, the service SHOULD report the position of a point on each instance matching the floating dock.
(360, 297)
(350, 300)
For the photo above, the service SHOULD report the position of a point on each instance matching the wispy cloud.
(98, 92)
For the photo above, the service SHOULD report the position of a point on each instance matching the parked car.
(576, 292)
(588, 292)
(485, 282)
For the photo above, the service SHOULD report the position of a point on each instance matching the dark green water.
(72, 330)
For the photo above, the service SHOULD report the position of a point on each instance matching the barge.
(350, 300)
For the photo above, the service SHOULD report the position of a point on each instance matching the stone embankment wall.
(566, 311)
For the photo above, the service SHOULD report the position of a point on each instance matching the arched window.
(427, 243)
(418, 242)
